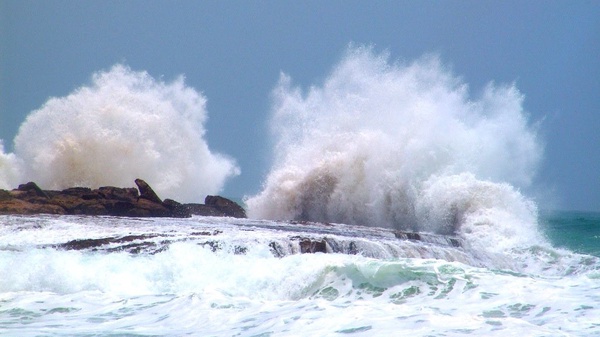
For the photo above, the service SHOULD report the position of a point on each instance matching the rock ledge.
(29, 198)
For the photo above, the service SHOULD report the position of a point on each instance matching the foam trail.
(123, 126)
(388, 144)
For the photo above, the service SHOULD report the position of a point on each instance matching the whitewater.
(231, 277)
(394, 206)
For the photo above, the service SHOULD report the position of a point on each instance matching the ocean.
(397, 202)
(208, 276)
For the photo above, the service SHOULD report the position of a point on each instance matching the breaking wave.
(402, 145)
(123, 126)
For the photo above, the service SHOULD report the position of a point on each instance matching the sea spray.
(9, 169)
(400, 145)
(124, 125)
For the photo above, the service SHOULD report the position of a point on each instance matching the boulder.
(146, 191)
(177, 209)
(202, 209)
(33, 188)
(225, 206)
(312, 246)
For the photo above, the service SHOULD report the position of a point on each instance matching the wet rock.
(203, 210)
(147, 208)
(179, 210)
(118, 193)
(80, 206)
(147, 192)
(119, 207)
(17, 206)
(216, 206)
(34, 188)
(311, 246)
(226, 206)
(108, 200)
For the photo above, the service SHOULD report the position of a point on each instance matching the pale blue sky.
(234, 51)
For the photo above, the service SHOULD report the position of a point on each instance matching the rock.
(17, 206)
(119, 207)
(310, 246)
(117, 193)
(226, 206)
(178, 210)
(147, 192)
(34, 188)
(203, 210)
(31, 199)
(147, 208)
(5, 195)
(73, 204)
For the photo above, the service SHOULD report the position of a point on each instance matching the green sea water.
(577, 231)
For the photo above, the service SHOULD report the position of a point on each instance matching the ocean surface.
(205, 276)
(407, 190)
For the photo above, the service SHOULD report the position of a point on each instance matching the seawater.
(576, 230)
(177, 286)
(378, 144)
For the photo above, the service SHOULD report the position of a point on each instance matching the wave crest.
(394, 145)
(123, 126)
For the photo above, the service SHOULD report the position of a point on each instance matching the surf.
(403, 145)
(191, 278)
(123, 125)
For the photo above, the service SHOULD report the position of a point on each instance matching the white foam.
(388, 144)
(9, 169)
(124, 125)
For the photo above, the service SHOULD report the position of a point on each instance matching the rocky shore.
(29, 198)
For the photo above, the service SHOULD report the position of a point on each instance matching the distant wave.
(123, 126)
(402, 145)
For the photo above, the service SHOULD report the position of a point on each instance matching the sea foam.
(124, 125)
(9, 172)
(400, 145)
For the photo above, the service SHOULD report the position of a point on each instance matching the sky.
(233, 52)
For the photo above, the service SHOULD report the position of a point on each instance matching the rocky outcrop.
(31, 199)
(147, 192)
(225, 206)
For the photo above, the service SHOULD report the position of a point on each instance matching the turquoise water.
(577, 231)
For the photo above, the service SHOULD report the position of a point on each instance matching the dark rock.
(119, 207)
(413, 236)
(94, 244)
(276, 249)
(407, 235)
(117, 193)
(310, 246)
(147, 192)
(454, 242)
(18, 206)
(33, 187)
(5, 195)
(77, 191)
(69, 202)
(201, 209)
(90, 208)
(147, 208)
(226, 206)
(177, 209)
(30, 199)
